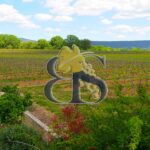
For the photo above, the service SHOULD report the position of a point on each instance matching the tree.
(12, 41)
(9, 41)
(28, 45)
(2, 43)
(85, 44)
(57, 42)
(72, 39)
(42, 44)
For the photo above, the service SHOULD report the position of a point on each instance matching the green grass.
(39, 97)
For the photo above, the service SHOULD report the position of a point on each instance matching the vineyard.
(27, 69)
(120, 122)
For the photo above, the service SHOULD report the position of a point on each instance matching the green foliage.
(121, 123)
(118, 89)
(85, 44)
(135, 49)
(102, 48)
(10, 89)
(2, 42)
(144, 110)
(42, 44)
(28, 45)
(21, 137)
(13, 104)
(57, 42)
(115, 124)
(135, 124)
(9, 41)
(142, 93)
(111, 126)
(72, 39)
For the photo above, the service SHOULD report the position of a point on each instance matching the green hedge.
(21, 137)
(13, 104)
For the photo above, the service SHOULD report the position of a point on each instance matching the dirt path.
(41, 113)
(109, 82)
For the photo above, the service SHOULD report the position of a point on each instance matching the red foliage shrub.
(77, 124)
(92, 148)
(72, 122)
(68, 111)
(54, 118)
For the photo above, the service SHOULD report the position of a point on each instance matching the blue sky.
(102, 20)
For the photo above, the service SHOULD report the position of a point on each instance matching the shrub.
(70, 129)
(121, 123)
(13, 104)
(21, 137)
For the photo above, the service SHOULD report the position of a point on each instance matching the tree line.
(56, 42)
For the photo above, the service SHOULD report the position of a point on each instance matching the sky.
(102, 20)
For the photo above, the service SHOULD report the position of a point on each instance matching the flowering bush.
(70, 123)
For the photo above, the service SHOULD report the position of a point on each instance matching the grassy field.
(27, 69)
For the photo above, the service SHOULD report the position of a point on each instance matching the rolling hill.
(124, 44)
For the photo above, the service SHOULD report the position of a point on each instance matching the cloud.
(126, 9)
(43, 17)
(122, 28)
(60, 7)
(27, 1)
(79, 7)
(10, 15)
(51, 31)
(120, 36)
(127, 31)
(131, 15)
(47, 17)
(144, 30)
(92, 7)
(63, 18)
(106, 21)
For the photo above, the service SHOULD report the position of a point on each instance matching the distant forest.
(56, 42)
(124, 44)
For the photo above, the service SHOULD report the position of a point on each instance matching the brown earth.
(41, 113)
